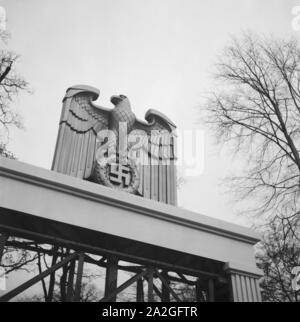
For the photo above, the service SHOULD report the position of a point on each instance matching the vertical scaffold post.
(165, 290)
(111, 279)
(79, 277)
(140, 290)
(52, 275)
(70, 288)
(211, 290)
(150, 284)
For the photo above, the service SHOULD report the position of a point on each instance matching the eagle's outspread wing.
(80, 122)
(157, 149)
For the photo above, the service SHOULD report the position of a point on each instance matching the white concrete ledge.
(52, 195)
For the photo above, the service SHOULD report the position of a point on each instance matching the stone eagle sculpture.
(81, 121)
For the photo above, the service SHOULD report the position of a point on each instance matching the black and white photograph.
(149, 153)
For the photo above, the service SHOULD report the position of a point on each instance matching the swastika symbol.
(120, 174)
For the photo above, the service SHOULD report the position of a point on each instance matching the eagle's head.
(116, 99)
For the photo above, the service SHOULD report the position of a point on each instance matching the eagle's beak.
(115, 99)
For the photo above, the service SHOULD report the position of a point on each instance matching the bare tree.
(5, 153)
(277, 255)
(257, 108)
(11, 84)
(256, 111)
(89, 293)
(18, 259)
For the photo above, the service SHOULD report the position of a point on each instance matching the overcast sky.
(159, 53)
